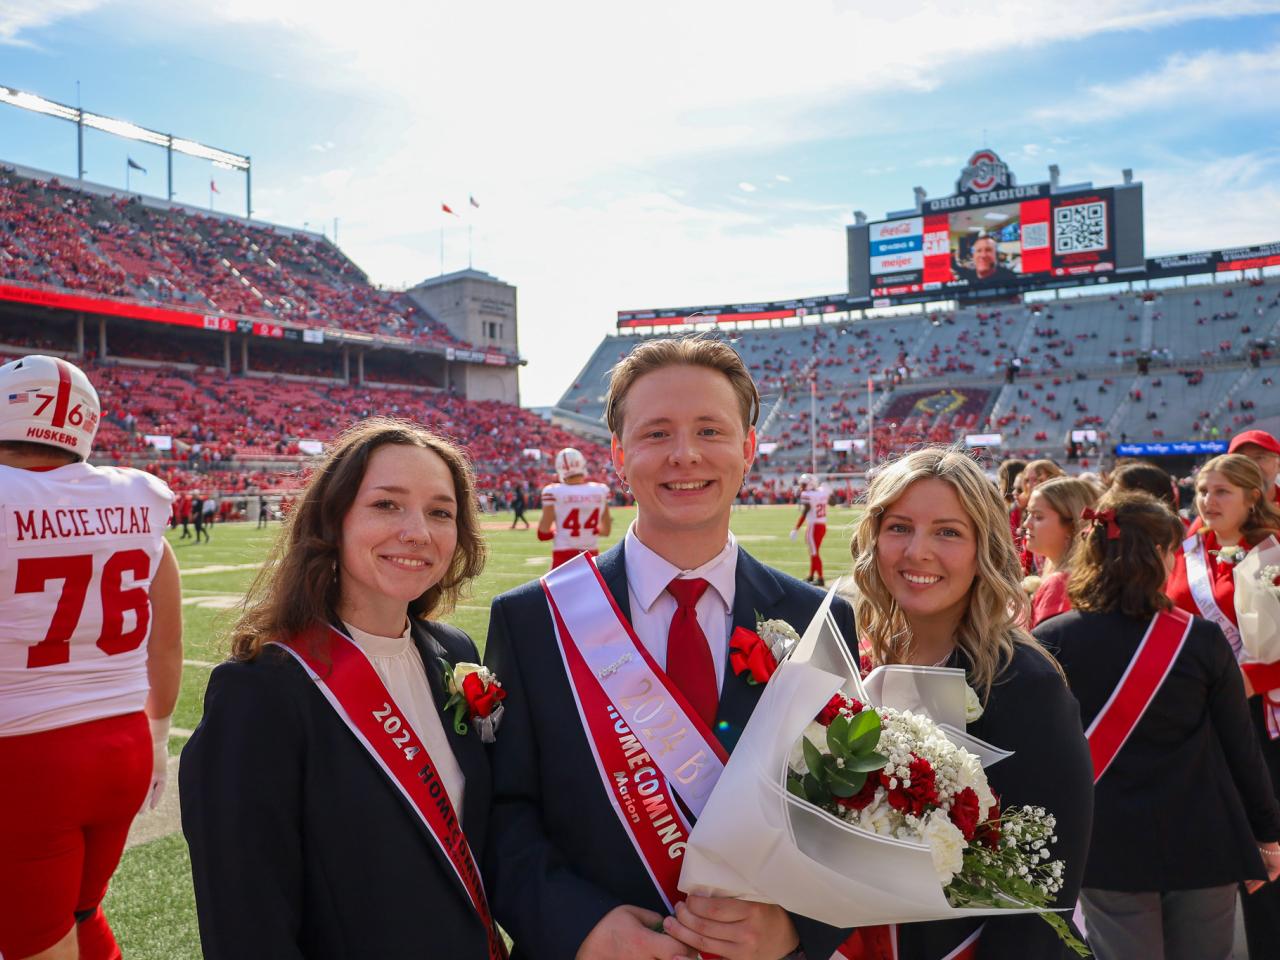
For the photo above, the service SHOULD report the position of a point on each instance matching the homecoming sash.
(359, 697)
(1202, 591)
(1138, 686)
(881, 943)
(650, 747)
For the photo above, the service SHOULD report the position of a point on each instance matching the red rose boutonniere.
(475, 695)
(756, 653)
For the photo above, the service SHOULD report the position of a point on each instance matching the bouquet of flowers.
(859, 803)
(1257, 599)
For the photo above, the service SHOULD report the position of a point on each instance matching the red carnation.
(749, 653)
(481, 700)
(865, 665)
(964, 812)
(988, 831)
(920, 795)
(863, 797)
(837, 703)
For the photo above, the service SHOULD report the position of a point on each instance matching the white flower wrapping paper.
(756, 841)
(1258, 603)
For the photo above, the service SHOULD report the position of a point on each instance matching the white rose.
(464, 670)
(972, 705)
(1030, 585)
(779, 635)
(816, 734)
(946, 844)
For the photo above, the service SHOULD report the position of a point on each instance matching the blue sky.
(670, 154)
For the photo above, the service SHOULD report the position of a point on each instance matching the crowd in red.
(54, 236)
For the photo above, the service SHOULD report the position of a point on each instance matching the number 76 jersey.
(579, 507)
(79, 546)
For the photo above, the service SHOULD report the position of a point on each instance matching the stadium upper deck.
(56, 237)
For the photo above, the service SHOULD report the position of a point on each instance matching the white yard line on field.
(220, 568)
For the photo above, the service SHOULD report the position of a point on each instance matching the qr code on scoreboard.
(1080, 228)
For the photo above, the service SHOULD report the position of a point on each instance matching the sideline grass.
(150, 904)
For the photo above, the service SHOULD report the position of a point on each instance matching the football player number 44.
(76, 573)
(573, 522)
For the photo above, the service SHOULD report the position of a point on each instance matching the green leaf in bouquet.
(795, 786)
(838, 736)
(867, 763)
(815, 791)
(812, 756)
(844, 782)
(864, 732)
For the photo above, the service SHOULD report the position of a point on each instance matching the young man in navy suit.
(572, 874)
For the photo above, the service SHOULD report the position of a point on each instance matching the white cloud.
(1224, 80)
(324, 147)
(782, 178)
(747, 187)
(1194, 204)
(18, 17)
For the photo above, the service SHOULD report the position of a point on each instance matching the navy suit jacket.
(558, 859)
(300, 845)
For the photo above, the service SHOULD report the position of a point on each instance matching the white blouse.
(400, 668)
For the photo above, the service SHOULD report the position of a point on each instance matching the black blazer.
(300, 846)
(1182, 803)
(1031, 712)
(558, 859)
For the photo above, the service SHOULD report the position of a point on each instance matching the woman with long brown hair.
(1236, 513)
(938, 584)
(335, 795)
(1172, 745)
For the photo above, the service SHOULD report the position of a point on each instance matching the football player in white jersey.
(575, 511)
(90, 661)
(814, 498)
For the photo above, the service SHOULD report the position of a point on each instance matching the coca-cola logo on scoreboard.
(984, 171)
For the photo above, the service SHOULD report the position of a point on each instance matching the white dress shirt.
(652, 608)
(398, 665)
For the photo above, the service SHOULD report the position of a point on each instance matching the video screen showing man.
(987, 270)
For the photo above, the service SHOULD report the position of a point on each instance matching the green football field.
(150, 904)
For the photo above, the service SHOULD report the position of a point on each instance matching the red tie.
(689, 662)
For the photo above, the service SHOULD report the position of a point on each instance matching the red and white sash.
(1141, 680)
(650, 747)
(359, 697)
(1198, 581)
(1201, 586)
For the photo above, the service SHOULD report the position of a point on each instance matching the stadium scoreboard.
(994, 236)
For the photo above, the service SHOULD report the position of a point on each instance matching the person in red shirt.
(1235, 515)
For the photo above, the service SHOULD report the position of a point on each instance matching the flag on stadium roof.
(473, 202)
(134, 164)
(213, 186)
(447, 209)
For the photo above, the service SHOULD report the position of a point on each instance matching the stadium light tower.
(131, 131)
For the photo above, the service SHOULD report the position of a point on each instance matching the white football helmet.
(806, 481)
(570, 463)
(49, 401)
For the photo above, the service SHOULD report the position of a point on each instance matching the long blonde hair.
(990, 629)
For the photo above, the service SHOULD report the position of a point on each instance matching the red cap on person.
(1257, 437)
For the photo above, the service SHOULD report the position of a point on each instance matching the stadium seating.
(1210, 351)
(54, 236)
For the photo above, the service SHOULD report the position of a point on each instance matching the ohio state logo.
(984, 170)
